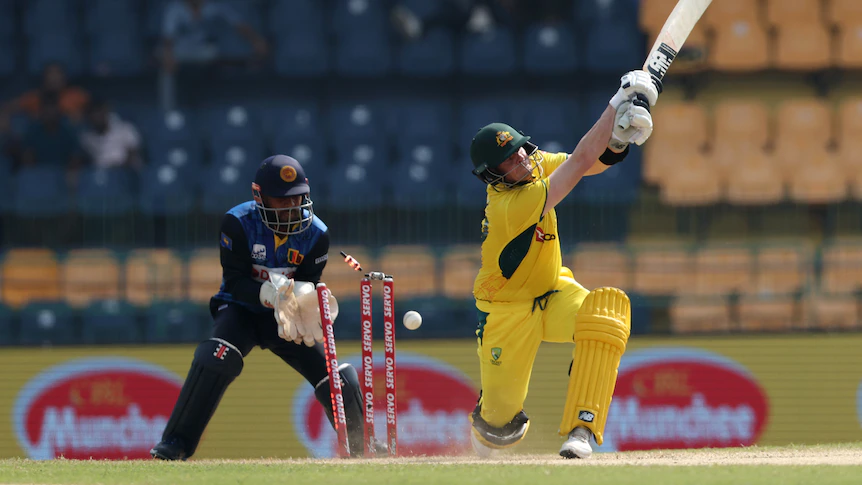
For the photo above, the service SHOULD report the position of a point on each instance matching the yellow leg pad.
(602, 328)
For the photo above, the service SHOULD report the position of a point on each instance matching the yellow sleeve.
(552, 161)
(515, 210)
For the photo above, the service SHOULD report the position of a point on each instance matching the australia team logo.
(504, 137)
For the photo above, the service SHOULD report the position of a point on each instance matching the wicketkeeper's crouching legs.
(353, 407)
(602, 328)
(216, 364)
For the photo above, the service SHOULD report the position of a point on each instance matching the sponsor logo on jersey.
(261, 273)
(258, 252)
(321, 259)
(100, 408)
(542, 237)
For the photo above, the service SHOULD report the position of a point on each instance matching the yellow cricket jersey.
(521, 257)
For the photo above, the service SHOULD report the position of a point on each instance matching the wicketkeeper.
(523, 292)
(273, 251)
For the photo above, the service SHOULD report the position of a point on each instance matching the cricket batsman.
(273, 251)
(524, 295)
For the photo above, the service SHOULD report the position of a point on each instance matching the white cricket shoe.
(482, 451)
(578, 444)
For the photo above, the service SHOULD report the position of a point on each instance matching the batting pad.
(602, 328)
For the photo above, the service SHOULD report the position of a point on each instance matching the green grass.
(823, 465)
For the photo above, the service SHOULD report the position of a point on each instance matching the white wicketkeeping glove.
(633, 83)
(632, 124)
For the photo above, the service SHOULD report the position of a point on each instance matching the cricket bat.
(672, 36)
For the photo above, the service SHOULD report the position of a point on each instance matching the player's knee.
(604, 316)
(350, 390)
(219, 356)
(500, 437)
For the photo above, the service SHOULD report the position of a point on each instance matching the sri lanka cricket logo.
(287, 173)
(504, 137)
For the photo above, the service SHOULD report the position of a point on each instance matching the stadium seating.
(175, 322)
(662, 270)
(8, 330)
(489, 54)
(109, 322)
(700, 314)
(46, 323)
(205, 275)
(550, 49)
(362, 45)
(722, 270)
(90, 274)
(459, 268)
(153, 275)
(29, 275)
(414, 268)
(596, 265)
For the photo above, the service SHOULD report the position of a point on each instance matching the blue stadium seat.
(475, 114)
(589, 11)
(8, 17)
(8, 333)
(153, 17)
(172, 138)
(300, 33)
(613, 46)
(232, 45)
(618, 185)
(46, 323)
(352, 120)
(41, 191)
(469, 191)
(300, 118)
(184, 156)
(58, 17)
(7, 188)
(163, 191)
(8, 57)
(117, 53)
(550, 49)
(106, 192)
(102, 16)
(491, 54)
(431, 118)
(416, 181)
(176, 322)
(223, 187)
(235, 122)
(310, 151)
(362, 47)
(245, 156)
(109, 322)
(359, 176)
(554, 124)
(432, 55)
(55, 47)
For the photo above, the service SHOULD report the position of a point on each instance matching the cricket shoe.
(171, 449)
(482, 450)
(578, 444)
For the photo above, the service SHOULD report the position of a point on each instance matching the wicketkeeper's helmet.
(283, 176)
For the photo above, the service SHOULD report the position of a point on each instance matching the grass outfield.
(820, 465)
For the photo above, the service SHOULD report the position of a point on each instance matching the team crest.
(496, 352)
(504, 137)
(295, 257)
(287, 173)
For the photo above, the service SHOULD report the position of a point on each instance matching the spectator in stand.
(190, 33)
(109, 141)
(51, 140)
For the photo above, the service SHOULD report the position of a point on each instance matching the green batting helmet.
(491, 146)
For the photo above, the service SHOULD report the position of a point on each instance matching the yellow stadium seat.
(803, 128)
(662, 271)
(803, 47)
(205, 275)
(757, 314)
(30, 275)
(689, 314)
(739, 46)
(784, 12)
(724, 12)
(691, 180)
(681, 129)
(755, 180)
(460, 266)
(343, 280)
(596, 265)
(849, 45)
(845, 12)
(741, 122)
(831, 312)
(653, 13)
(652, 16)
(721, 270)
(842, 267)
(849, 119)
(819, 180)
(413, 267)
(152, 275)
(90, 274)
(782, 270)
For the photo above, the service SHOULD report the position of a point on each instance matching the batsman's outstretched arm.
(591, 146)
